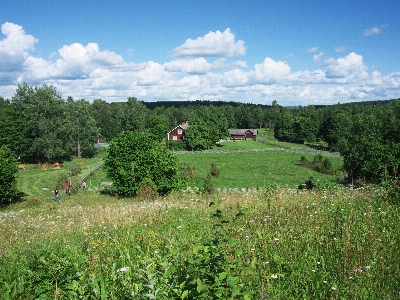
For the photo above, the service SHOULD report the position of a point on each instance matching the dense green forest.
(38, 125)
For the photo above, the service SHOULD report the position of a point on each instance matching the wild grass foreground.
(278, 244)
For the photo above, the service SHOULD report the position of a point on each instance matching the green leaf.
(222, 275)
(233, 280)
(184, 294)
(254, 263)
(201, 286)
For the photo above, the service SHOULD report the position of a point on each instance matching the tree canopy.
(134, 158)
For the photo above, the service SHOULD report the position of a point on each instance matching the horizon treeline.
(39, 125)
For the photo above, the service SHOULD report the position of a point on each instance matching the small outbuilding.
(243, 134)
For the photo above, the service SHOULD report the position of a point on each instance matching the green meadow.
(257, 237)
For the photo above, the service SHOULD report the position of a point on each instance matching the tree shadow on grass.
(17, 199)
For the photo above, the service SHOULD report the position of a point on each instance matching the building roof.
(183, 126)
(242, 131)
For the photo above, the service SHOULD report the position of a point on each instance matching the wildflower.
(123, 270)
(274, 276)
(368, 267)
(252, 249)
(358, 270)
(333, 288)
(325, 281)
(276, 240)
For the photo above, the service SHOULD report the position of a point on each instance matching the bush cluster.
(319, 164)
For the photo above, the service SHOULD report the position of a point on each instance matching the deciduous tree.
(8, 175)
(132, 158)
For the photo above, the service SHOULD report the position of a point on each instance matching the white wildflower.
(123, 270)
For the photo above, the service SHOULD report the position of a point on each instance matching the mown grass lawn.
(256, 169)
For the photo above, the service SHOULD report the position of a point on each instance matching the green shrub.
(176, 145)
(214, 171)
(208, 187)
(319, 164)
(8, 176)
(132, 157)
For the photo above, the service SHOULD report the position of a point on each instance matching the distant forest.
(39, 125)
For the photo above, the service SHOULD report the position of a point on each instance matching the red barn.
(178, 133)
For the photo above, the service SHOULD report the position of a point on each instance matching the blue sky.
(296, 52)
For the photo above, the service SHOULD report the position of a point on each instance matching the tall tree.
(81, 128)
(306, 125)
(43, 109)
(106, 121)
(13, 130)
(284, 128)
(198, 134)
(158, 127)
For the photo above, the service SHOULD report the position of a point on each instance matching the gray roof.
(242, 131)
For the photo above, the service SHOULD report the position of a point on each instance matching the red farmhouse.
(178, 133)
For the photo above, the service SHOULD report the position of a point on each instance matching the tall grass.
(278, 244)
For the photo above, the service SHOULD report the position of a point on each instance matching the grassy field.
(283, 244)
(256, 169)
(252, 164)
(272, 243)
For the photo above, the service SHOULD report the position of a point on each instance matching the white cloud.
(193, 66)
(269, 71)
(345, 69)
(312, 50)
(75, 61)
(212, 44)
(374, 30)
(340, 49)
(89, 72)
(13, 51)
(317, 57)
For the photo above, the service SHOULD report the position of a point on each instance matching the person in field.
(56, 195)
(67, 188)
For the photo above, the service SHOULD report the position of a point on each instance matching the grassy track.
(33, 179)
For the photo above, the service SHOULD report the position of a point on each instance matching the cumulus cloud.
(346, 69)
(212, 44)
(317, 57)
(374, 30)
(269, 71)
(13, 51)
(88, 72)
(312, 50)
(75, 61)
